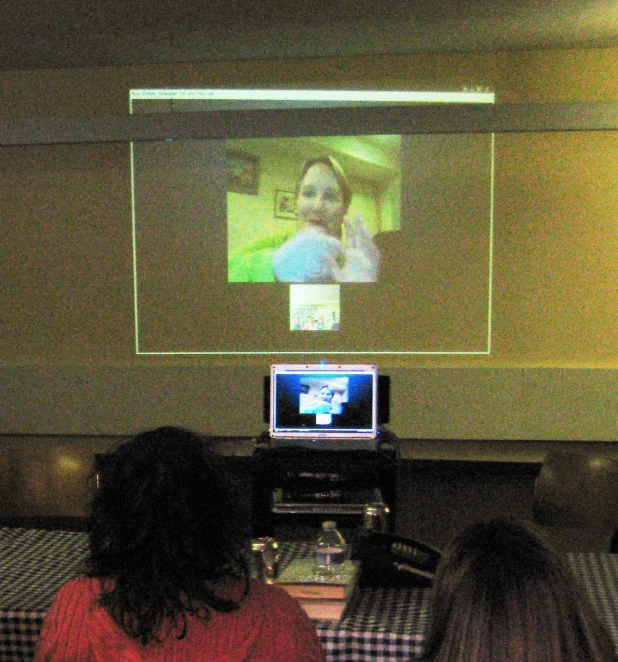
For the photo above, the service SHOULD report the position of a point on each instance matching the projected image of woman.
(318, 252)
(326, 403)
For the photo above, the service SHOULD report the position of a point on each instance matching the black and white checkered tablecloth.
(378, 625)
(598, 574)
(33, 566)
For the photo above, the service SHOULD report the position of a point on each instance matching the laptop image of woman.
(324, 406)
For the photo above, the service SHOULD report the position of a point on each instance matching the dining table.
(378, 624)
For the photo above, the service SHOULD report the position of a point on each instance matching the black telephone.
(392, 560)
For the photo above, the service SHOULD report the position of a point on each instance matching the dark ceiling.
(38, 34)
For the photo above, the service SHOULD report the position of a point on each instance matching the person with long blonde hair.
(501, 594)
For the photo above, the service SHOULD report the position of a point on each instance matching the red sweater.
(270, 626)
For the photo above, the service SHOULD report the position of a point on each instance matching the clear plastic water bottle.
(330, 550)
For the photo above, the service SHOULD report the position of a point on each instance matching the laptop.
(327, 406)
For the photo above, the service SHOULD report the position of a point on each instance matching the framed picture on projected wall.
(285, 204)
(243, 172)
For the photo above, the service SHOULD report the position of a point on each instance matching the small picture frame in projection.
(243, 172)
(285, 204)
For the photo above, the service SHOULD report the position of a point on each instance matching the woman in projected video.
(326, 403)
(318, 252)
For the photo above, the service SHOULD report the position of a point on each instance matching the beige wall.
(67, 359)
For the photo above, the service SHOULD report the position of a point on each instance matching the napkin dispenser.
(391, 560)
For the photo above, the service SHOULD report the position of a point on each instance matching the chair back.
(577, 491)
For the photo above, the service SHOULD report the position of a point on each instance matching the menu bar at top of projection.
(473, 95)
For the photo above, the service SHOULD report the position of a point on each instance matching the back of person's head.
(164, 522)
(502, 595)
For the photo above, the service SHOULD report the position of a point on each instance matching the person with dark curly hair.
(501, 594)
(169, 576)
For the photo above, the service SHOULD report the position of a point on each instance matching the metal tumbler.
(265, 552)
(375, 517)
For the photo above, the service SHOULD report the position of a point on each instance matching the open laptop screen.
(323, 401)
